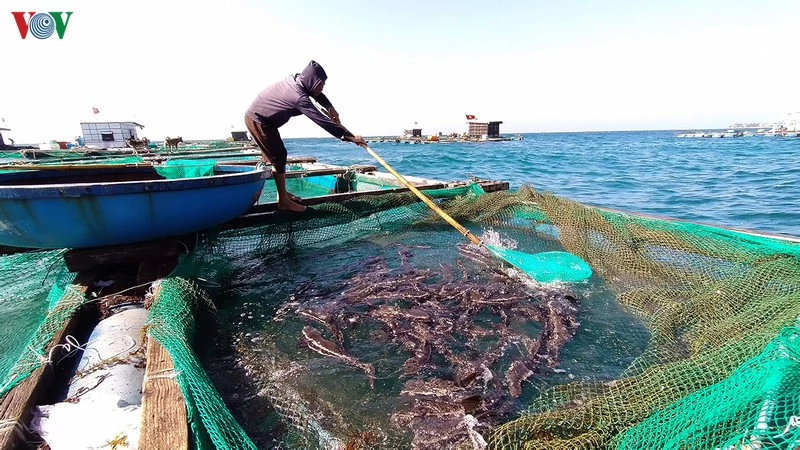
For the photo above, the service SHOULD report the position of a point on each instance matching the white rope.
(71, 345)
(20, 429)
(165, 373)
(794, 422)
(208, 283)
(186, 247)
(119, 292)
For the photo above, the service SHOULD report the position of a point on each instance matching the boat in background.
(85, 206)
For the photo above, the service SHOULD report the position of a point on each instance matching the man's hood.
(312, 76)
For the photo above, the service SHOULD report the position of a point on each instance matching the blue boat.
(93, 207)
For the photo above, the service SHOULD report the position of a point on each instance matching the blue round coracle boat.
(93, 207)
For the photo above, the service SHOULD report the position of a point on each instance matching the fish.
(324, 347)
(438, 415)
(461, 321)
(515, 375)
(323, 319)
(422, 354)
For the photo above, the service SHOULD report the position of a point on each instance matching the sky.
(192, 68)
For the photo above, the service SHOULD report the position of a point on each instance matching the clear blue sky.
(191, 68)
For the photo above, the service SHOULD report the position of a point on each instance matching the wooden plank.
(297, 160)
(250, 220)
(328, 171)
(210, 155)
(268, 212)
(335, 198)
(488, 186)
(86, 259)
(16, 406)
(198, 152)
(164, 418)
(146, 273)
(494, 186)
(301, 159)
(312, 172)
(362, 168)
(68, 167)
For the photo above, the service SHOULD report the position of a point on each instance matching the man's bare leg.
(284, 202)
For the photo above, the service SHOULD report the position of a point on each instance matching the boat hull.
(81, 215)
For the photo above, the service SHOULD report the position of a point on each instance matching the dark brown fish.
(516, 374)
(323, 318)
(461, 321)
(324, 347)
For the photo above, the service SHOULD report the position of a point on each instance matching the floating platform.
(442, 139)
(738, 134)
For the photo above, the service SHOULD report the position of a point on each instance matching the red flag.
(470, 117)
(95, 110)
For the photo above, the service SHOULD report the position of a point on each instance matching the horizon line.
(501, 134)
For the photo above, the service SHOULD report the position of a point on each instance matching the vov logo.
(42, 25)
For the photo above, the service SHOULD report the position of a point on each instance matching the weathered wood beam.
(268, 212)
(165, 423)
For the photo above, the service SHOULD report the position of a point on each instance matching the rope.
(164, 373)
(20, 429)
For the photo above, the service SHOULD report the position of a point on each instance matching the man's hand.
(334, 115)
(358, 140)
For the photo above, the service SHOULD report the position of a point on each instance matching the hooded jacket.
(291, 97)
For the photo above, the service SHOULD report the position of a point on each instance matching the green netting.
(711, 298)
(172, 323)
(11, 155)
(108, 160)
(186, 168)
(756, 407)
(303, 187)
(362, 183)
(36, 300)
(718, 370)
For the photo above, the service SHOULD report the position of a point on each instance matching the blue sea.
(750, 182)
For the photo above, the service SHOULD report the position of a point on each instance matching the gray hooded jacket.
(291, 97)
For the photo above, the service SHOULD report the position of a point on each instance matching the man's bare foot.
(292, 197)
(289, 205)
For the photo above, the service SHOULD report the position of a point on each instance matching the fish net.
(717, 371)
(36, 299)
(186, 168)
(685, 336)
(172, 323)
(717, 367)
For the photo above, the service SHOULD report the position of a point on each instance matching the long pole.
(467, 234)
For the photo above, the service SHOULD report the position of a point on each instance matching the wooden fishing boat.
(80, 207)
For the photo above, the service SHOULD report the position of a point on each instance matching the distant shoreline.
(504, 134)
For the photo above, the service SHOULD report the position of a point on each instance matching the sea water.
(750, 182)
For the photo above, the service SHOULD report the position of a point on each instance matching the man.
(275, 105)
